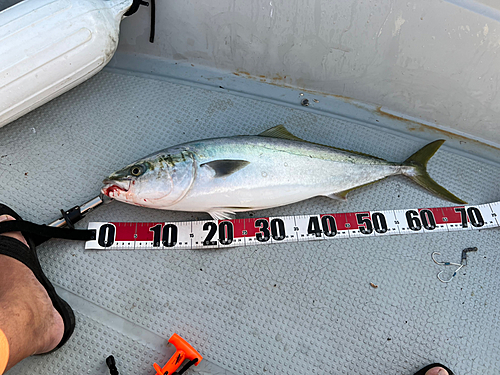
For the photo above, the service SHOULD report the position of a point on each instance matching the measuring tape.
(212, 234)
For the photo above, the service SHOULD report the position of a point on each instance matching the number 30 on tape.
(253, 231)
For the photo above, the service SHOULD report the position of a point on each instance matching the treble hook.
(462, 263)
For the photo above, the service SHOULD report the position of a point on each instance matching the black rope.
(135, 7)
(153, 21)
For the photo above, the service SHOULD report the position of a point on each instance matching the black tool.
(41, 233)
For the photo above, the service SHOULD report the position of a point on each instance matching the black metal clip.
(72, 216)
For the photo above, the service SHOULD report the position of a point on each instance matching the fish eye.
(136, 170)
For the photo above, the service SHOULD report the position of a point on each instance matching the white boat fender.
(49, 47)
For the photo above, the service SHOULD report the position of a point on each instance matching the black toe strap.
(44, 231)
(17, 250)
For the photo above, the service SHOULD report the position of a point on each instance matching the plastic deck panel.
(270, 309)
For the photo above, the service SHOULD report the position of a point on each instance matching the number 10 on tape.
(266, 230)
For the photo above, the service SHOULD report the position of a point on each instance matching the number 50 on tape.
(245, 232)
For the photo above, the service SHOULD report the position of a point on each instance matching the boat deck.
(271, 309)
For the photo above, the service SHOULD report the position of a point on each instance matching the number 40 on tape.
(266, 230)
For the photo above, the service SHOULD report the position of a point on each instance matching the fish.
(223, 176)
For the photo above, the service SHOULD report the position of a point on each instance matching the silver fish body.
(226, 175)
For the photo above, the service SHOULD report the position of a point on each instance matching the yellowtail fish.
(223, 176)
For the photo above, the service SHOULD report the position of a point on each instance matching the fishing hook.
(463, 263)
(445, 264)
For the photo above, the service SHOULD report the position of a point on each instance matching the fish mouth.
(114, 187)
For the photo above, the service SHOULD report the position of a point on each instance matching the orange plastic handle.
(184, 350)
(172, 364)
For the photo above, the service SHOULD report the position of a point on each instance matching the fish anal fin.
(338, 196)
(342, 195)
(280, 131)
(225, 167)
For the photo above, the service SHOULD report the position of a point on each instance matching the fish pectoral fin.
(222, 213)
(280, 131)
(225, 167)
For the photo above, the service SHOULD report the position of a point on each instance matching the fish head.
(157, 181)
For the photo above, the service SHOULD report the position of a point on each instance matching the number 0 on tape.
(253, 231)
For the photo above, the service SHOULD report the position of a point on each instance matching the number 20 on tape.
(253, 231)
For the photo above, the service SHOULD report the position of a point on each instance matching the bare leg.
(27, 316)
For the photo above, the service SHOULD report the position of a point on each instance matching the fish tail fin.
(418, 172)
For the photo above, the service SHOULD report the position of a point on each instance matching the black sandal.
(427, 368)
(28, 256)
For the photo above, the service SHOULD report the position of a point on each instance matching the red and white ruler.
(253, 231)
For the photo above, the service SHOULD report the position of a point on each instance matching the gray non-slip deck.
(273, 309)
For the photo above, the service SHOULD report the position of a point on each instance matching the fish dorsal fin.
(280, 131)
(225, 167)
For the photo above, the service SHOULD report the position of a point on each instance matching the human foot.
(27, 316)
(437, 371)
(434, 369)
